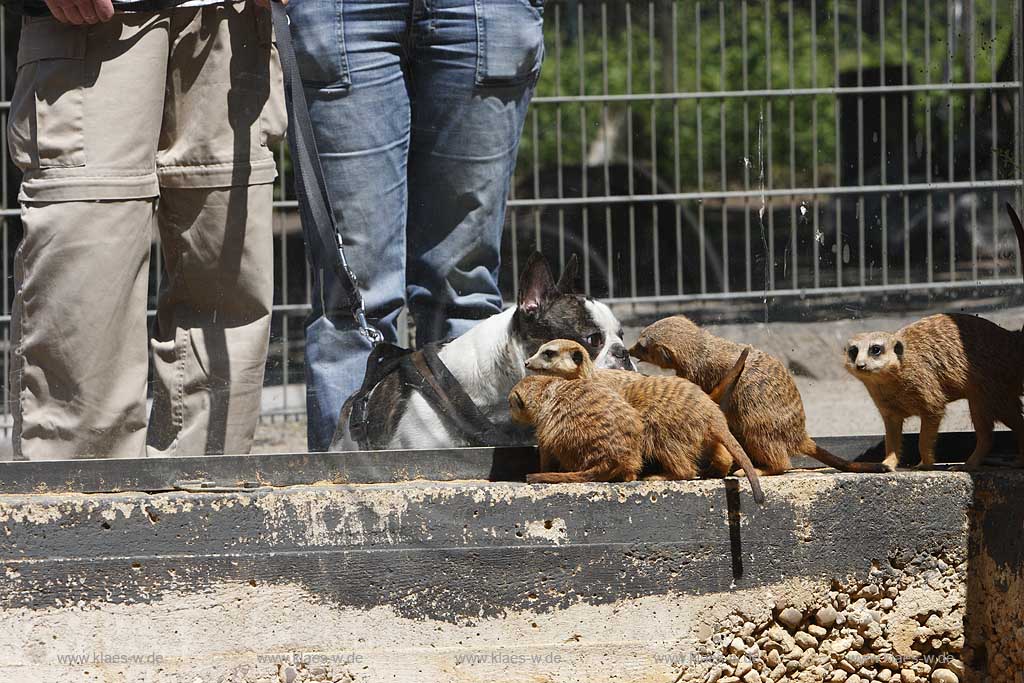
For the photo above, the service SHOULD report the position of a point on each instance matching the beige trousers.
(151, 120)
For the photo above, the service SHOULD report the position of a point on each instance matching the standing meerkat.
(584, 428)
(684, 431)
(765, 412)
(920, 368)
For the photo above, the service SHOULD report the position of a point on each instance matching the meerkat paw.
(923, 467)
(654, 477)
(740, 474)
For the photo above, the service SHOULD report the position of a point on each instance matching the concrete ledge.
(476, 581)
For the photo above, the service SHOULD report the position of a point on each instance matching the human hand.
(81, 11)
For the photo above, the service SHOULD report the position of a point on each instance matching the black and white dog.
(490, 359)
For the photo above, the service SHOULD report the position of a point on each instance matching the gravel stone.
(805, 640)
(944, 676)
(791, 618)
(826, 616)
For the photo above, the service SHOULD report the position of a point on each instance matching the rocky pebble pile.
(858, 632)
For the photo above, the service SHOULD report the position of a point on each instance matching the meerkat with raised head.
(585, 429)
(765, 411)
(567, 359)
(920, 368)
(684, 431)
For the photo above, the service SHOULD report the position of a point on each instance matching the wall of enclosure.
(728, 151)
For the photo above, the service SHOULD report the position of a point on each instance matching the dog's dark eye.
(875, 350)
(596, 339)
(852, 353)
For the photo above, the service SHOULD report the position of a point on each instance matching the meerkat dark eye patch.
(852, 353)
(876, 349)
(666, 357)
(550, 354)
(577, 357)
(516, 402)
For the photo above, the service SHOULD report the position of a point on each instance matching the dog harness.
(425, 372)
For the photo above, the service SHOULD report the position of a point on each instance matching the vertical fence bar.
(993, 77)
(605, 125)
(655, 188)
(792, 152)
(969, 6)
(884, 198)
(583, 149)
(535, 125)
(559, 160)
(950, 148)
(676, 146)
(5, 226)
(721, 138)
(746, 149)
(839, 144)
(655, 233)
(906, 144)
(815, 241)
(702, 239)
(930, 208)
(1018, 97)
(860, 143)
(769, 128)
(629, 149)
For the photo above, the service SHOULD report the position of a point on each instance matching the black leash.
(310, 186)
(422, 371)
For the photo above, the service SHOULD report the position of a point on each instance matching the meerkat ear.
(567, 281)
(666, 355)
(898, 349)
(577, 357)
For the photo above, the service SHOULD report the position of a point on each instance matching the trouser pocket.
(47, 127)
(318, 34)
(510, 41)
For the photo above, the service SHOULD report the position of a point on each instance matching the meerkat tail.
(722, 393)
(741, 458)
(600, 472)
(808, 447)
(1017, 227)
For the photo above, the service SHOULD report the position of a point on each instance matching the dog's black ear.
(567, 281)
(536, 286)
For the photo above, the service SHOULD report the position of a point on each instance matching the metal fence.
(730, 150)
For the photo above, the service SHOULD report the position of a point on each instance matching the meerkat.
(567, 359)
(765, 411)
(584, 428)
(684, 431)
(920, 368)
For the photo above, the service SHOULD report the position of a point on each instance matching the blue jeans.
(417, 109)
